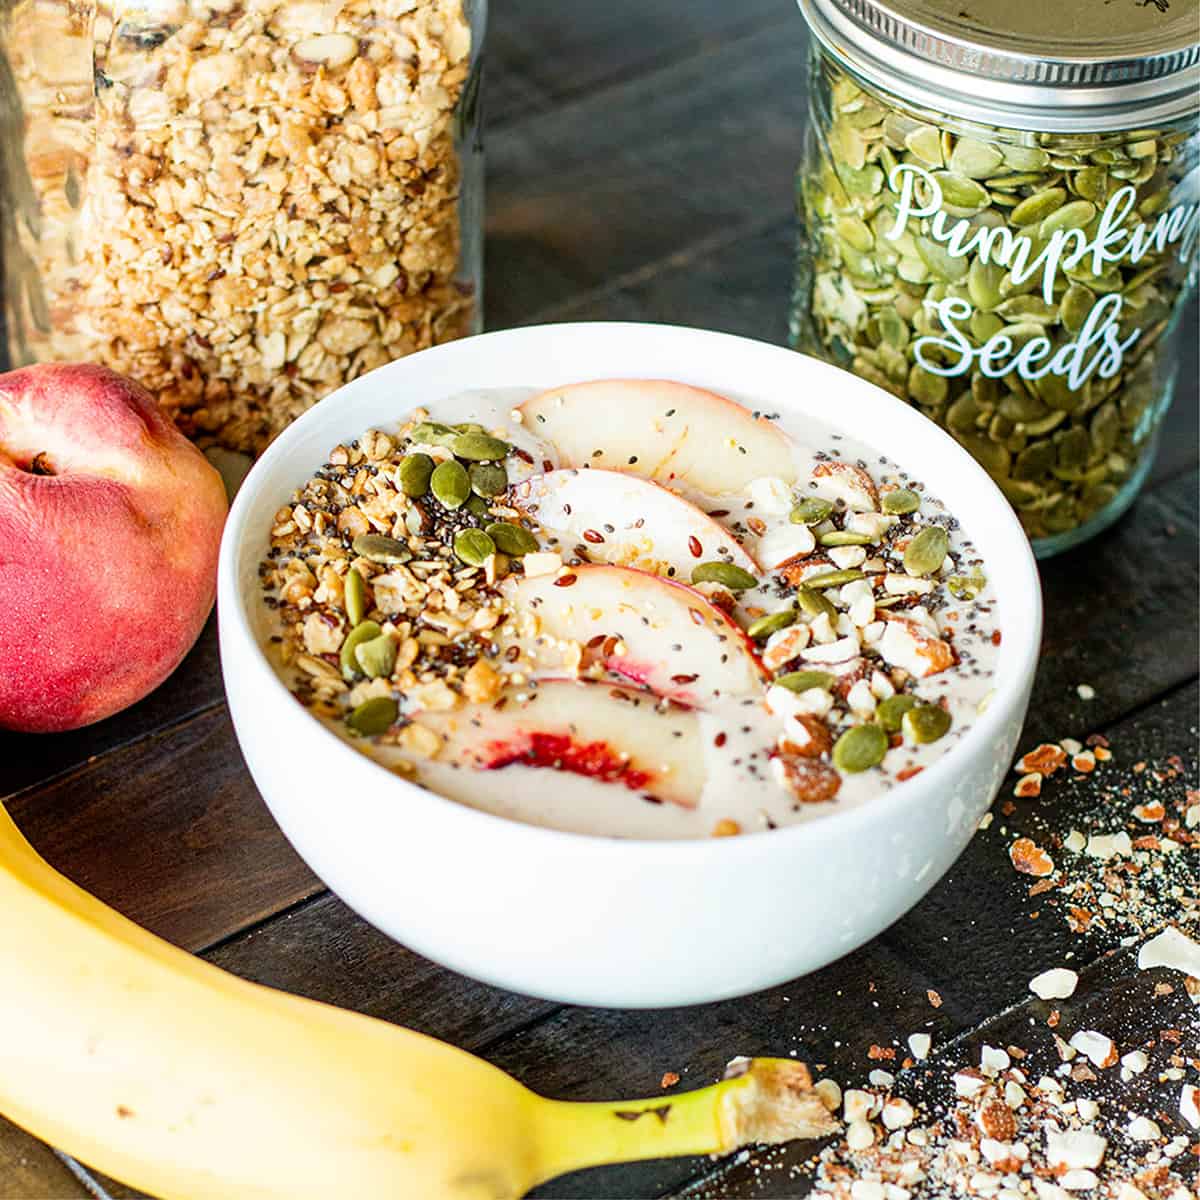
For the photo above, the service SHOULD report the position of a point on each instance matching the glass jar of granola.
(241, 203)
(999, 215)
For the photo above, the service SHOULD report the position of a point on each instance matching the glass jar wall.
(243, 204)
(1023, 289)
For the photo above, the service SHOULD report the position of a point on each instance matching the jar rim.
(1018, 81)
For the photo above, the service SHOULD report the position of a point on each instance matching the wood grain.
(170, 831)
(30, 1170)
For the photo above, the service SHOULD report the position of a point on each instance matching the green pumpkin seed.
(364, 631)
(385, 551)
(487, 479)
(450, 484)
(843, 537)
(812, 510)
(966, 587)
(376, 658)
(925, 723)
(762, 627)
(975, 159)
(803, 681)
(814, 604)
(855, 232)
(1071, 216)
(900, 501)
(432, 433)
(1036, 208)
(479, 447)
(983, 284)
(890, 711)
(940, 261)
(414, 473)
(374, 716)
(960, 192)
(833, 578)
(860, 749)
(513, 540)
(724, 573)
(1075, 305)
(927, 551)
(354, 592)
(1027, 308)
(473, 546)
(926, 389)
(477, 506)
(926, 143)
(1025, 158)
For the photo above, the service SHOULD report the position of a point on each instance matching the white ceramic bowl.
(594, 920)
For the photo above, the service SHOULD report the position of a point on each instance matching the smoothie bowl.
(625, 664)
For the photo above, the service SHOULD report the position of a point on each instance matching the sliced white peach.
(628, 521)
(646, 629)
(661, 430)
(603, 731)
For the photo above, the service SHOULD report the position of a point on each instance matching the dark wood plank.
(325, 951)
(172, 832)
(539, 55)
(28, 759)
(596, 189)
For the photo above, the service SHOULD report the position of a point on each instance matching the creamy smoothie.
(631, 608)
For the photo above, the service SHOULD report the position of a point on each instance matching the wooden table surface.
(640, 156)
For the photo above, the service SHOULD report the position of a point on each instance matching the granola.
(256, 202)
(457, 595)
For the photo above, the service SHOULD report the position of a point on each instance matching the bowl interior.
(760, 375)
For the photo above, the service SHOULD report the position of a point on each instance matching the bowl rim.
(1021, 631)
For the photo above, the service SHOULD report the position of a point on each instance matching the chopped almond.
(1029, 858)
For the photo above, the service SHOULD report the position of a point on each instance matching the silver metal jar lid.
(1078, 66)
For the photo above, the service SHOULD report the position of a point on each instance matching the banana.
(185, 1081)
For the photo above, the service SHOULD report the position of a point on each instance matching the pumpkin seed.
(414, 473)
(927, 551)
(959, 192)
(890, 711)
(354, 592)
(926, 143)
(450, 484)
(814, 604)
(376, 658)
(833, 578)
(432, 433)
(1036, 208)
(479, 447)
(1071, 216)
(844, 537)
(374, 716)
(724, 573)
(513, 540)
(900, 501)
(487, 479)
(925, 723)
(473, 546)
(477, 506)
(803, 681)
(975, 159)
(860, 748)
(966, 587)
(386, 551)
(364, 631)
(812, 510)
(762, 627)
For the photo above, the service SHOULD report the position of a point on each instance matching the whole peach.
(110, 522)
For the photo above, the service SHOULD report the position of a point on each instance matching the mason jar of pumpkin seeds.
(998, 224)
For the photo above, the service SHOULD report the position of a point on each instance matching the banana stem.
(770, 1100)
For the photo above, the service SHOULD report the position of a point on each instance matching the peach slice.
(646, 629)
(628, 521)
(604, 731)
(660, 430)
